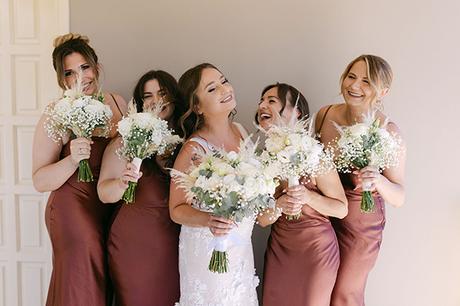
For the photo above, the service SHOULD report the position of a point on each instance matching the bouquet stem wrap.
(129, 196)
(367, 200)
(293, 181)
(220, 245)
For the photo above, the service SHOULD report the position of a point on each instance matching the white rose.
(274, 144)
(124, 127)
(232, 155)
(80, 102)
(358, 129)
(143, 120)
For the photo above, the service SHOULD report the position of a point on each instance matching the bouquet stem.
(84, 171)
(219, 262)
(367, 202)
(130, 193)
(293, 181)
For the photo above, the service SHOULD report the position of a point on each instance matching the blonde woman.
(364, 84)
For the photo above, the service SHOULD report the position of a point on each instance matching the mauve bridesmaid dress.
(143, 245)
(77, 223)
(301, 261)
(359, 235)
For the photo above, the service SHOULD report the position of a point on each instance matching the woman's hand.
(80, 149)
(130, 174)
(369, 178)
(220, 226)
(289, 205)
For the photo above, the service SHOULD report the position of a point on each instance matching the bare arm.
(390, 183)
(333, 201)
(182, 212)
(48, 172)
(115, 174)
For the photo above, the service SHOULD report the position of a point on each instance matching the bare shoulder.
(115, 143)
(330, 111)
(114, 98)
(189, 153)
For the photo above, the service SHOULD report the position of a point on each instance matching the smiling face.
(270, 110)
(153, 94)
(215, 94)
(356, 88)
(74, 64)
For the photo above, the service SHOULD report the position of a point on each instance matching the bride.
(208, 125)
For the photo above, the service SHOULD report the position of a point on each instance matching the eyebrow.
(221, 77)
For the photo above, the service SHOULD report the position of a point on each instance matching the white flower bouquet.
(230, 185)
(143, 135)
(82, 115)
(291, 153)
(366, 144)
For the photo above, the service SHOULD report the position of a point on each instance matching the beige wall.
(308, 44)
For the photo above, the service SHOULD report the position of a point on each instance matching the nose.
(356, 84)
(263, 104)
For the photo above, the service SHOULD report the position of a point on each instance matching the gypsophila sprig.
(80, 114)
(291, 153)
(143, 135)
(367, 144)
(230, 185)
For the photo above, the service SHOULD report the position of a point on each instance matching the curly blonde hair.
(379, 74)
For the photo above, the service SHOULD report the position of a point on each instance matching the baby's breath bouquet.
(366, 144)
(230, 185)
(83, 116)
(143, 135)
(292, 153)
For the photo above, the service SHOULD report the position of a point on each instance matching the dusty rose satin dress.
(359, 236)
(143, 245)
(301, 261)
(77, 223)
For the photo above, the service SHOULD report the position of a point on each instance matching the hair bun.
(70, 36)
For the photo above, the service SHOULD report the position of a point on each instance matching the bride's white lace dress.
(201, 287)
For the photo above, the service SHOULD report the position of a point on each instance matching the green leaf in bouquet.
(205, 172)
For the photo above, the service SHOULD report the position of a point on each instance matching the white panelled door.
(27, 84)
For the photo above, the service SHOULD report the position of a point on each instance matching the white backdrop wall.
(308, 44)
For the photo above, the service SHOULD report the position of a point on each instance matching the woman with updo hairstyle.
(364, 84)
(76, 219)
(143, 240)
(302, 256)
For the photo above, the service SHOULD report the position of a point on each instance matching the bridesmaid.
(364, 83)
(302, 256)
(76, 219)
(143, 240)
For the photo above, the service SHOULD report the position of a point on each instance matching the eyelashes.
(224, 81)
(69, 73)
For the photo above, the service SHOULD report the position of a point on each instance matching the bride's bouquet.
(83, 115)
(230, 185)
(143, 135)
(292, 153)
(367, 144)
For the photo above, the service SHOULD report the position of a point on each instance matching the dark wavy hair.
(167, 83)
(289, 94)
